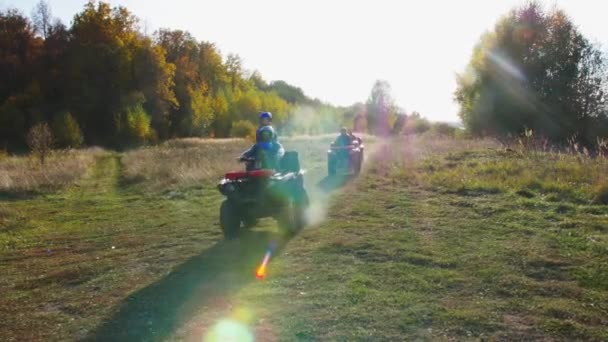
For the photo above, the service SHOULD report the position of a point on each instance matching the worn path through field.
(223, 309)
(187, 301)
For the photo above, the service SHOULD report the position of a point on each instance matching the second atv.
(345, 160)
(262, 192)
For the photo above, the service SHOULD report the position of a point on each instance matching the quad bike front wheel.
(250, 222)
(359, 164)
(230, 220)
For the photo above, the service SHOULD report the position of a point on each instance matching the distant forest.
(102, 81)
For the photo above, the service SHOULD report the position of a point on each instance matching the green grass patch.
(549, 176)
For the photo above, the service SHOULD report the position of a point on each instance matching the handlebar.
(347, 147)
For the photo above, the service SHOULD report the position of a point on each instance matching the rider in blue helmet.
(267, 145)
(265, 121)
(265, 118)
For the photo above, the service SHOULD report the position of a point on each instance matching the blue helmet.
(266, 115)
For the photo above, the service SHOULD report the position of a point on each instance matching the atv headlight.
(229, 188)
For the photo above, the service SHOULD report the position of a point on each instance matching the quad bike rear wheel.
(331, 166)
(293, 216)
(230, 220)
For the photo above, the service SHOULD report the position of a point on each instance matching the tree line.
(104, 82)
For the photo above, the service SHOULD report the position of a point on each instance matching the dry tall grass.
(182, 162)
(19, 174)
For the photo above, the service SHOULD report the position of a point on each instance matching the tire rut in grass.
(104, 176)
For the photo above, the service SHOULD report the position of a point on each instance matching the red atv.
(261, 192)
(345, 160)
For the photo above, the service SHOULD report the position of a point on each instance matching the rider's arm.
(250, 153)
(280, 150)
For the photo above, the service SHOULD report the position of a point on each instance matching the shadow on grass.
(332, 183)
(156, 311)
(13, 196)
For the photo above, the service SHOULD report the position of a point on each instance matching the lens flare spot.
(260, 272)
(229, 330)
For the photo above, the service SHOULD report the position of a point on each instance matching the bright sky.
(335, 50)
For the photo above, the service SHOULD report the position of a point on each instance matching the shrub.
(461, 134)
(443, 129)
(416, 125)
(40, 140)
(67, 131)
(138, 125)
(601, 194)
(243, 129)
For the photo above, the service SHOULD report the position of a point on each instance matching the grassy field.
(438, 240)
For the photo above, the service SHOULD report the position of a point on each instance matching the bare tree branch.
(42, 17)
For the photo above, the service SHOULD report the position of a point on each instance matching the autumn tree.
(100, 79)
(195, 112)
(154, 77)
(114, 71)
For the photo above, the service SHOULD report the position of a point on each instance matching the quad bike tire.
(290, 162)
(331, 167)
(293, 216)
(250, 222)
(359, 164)
(230, 220)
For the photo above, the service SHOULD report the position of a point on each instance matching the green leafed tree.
(222, 120)
(536, 71)
(67, 131)
(20, 96)
(138, 125)
(381, 109)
